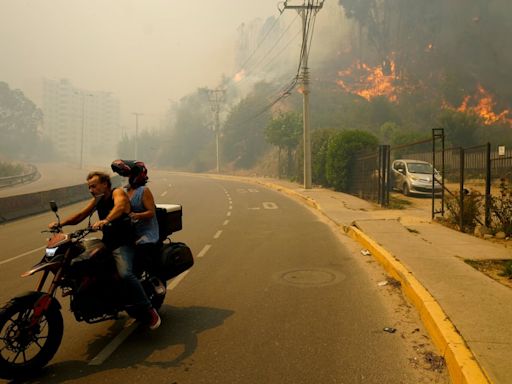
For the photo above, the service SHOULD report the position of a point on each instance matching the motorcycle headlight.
(50, 252)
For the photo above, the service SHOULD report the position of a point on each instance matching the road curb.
(461, 363)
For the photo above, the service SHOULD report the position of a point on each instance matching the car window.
(419, 167)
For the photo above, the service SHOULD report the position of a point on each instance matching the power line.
(252, 68)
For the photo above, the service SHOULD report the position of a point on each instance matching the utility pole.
(216, 98)
(137, 114)
(312, 7)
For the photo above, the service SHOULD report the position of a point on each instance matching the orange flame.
(368, 82)
(483, 105)
(239, 76)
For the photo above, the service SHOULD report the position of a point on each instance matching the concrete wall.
(15, 207)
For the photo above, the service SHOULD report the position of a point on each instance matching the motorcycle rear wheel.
(26, 348)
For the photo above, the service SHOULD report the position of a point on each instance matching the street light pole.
(137, 114)
(82, 129)
(216, 98)
(82, 133)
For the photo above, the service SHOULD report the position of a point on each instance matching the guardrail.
(15, 207)
(32, 174)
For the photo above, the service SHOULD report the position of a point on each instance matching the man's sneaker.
(154, 319)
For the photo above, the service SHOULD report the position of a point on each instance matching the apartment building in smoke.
(83, 125)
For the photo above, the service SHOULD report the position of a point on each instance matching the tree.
(284, 131)
(19, 120)
(190, 134)
(460, 127)
(243, 139)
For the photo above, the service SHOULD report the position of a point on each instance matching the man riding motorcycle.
(113, 209)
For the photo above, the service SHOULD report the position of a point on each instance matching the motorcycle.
(31, 324)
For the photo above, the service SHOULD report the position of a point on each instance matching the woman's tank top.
(146, 230)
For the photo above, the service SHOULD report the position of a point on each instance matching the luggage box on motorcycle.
(169, 219)
(175, 258)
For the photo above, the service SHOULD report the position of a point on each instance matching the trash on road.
(389, 329)
(382, 283)
(365, 252)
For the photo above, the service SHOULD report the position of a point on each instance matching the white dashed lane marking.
(22, 255)
(225, 222)
(163, 193)
(217, 235)
(205, 249)
(114, 344)
(174, 283)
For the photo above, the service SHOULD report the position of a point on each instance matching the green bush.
(342, 149)
(319, 143)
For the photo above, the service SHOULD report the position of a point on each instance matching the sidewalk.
(454, 300)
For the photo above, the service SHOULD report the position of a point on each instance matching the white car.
(414, 177)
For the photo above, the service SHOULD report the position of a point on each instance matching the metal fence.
(480, 168)
(370, 176)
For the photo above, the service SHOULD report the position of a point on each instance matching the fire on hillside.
(482, 103)
(368, 82)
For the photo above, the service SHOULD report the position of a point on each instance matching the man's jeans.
(124, 256)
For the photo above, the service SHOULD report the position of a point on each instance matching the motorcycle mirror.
(53, 206)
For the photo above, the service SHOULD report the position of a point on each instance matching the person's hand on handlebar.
(100, 224)
(54, 225)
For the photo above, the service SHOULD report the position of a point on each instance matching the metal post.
(461, 192)
(136, 149)
(488, 185)
(217, 128)
(437, 133)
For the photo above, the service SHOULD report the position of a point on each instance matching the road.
(276, 296)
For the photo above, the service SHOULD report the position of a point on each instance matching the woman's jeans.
(136, 297)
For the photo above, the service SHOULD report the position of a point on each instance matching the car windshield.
(419, 168)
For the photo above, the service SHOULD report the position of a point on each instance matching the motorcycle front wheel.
(25, 348)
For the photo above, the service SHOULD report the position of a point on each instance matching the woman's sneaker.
(154, 319)
(158, 286)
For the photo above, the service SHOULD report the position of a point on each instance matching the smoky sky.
(146, 52)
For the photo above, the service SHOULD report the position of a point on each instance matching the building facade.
(83, 125)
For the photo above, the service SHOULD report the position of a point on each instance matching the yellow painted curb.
(461, 363)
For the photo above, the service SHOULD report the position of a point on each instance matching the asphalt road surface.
(275, 296)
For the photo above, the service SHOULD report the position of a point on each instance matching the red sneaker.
(154, 319)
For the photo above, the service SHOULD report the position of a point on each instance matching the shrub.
(8, 169)
(501, 209)
(341, 153)
(473, 203)
(319, 143)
